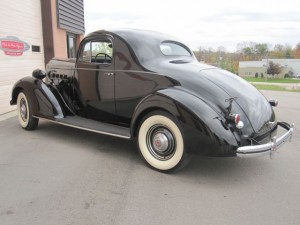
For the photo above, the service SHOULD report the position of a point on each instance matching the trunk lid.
(255, 106)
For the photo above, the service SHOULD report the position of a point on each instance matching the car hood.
(214, 86)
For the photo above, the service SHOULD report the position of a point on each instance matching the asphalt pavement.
(58, 175)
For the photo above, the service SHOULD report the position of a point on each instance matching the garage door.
(21, 45)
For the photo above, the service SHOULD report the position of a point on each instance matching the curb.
(288, 86)
(8, 115)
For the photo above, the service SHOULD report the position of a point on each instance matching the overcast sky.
(210, 23)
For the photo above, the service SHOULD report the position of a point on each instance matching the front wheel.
(24, 113)
(161, 142)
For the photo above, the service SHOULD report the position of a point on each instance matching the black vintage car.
(149, 86)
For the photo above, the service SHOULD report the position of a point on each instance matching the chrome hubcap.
(161, 142)
(23, 110)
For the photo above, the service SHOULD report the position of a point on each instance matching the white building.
(250, 68)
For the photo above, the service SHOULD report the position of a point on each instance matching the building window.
(71, 45)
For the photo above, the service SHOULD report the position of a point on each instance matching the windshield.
(174, 49)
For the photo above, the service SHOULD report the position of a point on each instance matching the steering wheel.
(105, 55)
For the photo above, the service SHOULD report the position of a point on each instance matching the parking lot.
(59, 175)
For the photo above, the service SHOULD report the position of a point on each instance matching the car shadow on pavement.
(89, 140)
(214, 168)
(227, 169)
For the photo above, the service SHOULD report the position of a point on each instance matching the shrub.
(256, 75)
(262, 75)
(286, 75)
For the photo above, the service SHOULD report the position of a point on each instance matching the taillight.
(234, 118)
(273, 103)
(237, 118)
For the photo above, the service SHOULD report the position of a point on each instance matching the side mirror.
(39, 74)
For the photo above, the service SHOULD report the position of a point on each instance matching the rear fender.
(202, 127)
(44, 102)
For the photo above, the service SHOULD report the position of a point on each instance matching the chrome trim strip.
(269, 148)
(83, 128)
(105, 70)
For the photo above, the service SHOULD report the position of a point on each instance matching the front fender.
(203, 131)
(43, 101)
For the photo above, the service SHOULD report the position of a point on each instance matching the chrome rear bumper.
(269, 148)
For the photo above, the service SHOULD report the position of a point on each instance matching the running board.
(93, 126)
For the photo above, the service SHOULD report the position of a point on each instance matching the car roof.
(144, 43)
(129, 33)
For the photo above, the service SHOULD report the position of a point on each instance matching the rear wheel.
(24, 113)
(161, 142)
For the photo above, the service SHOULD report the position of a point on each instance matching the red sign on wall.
(13, 46)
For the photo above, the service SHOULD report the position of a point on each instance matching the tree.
(247, 51)
(274, 68)
(253, 50)
(291, 73)
(278, 51)
(261, 49)
(297, 51)
(246, 48)
(221, 49)
(102, 47)
(283, 51)
(288, 51)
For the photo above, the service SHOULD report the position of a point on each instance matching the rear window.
(174, 49)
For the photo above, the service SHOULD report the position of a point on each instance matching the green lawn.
(273, 88)
(272, 80)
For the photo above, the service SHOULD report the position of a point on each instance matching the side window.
(173, 48)
(85, 55)
(102, 51)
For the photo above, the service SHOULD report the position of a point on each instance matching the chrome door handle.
(109, 74)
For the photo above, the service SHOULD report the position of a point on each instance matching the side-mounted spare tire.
(161, 142)
(24, 113)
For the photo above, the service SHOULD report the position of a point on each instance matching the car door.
(95, 71)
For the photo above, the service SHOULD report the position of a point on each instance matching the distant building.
(250, 68)
(31, 33)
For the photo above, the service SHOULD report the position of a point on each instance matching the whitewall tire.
(160, 141)
(24, 113)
